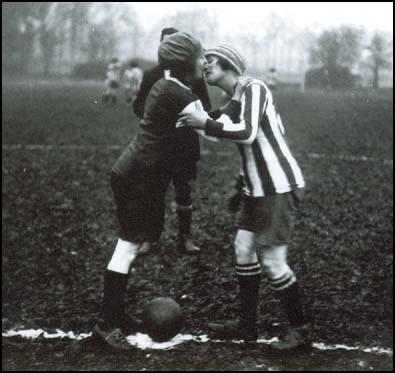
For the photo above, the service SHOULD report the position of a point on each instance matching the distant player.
(185, 169)
(112, 81)
(132, 78)
(272, 79)
(273, 185)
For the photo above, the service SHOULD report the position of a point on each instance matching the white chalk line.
(143, 341)
(349, 158)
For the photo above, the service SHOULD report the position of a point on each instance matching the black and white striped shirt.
(268, 165)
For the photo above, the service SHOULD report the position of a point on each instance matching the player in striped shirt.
(132, 78)
(273, 183)
(112, 81)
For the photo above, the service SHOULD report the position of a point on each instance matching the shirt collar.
(175, 80)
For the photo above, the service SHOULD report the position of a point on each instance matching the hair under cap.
(177, 49)
(229, 54)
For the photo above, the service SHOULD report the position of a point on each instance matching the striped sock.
(282, 282)
(290, 300)
(249, 276)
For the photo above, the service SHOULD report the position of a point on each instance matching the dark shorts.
(271, 218)
(140, 205)
(185, 172)
(114, 84)
(183, 178)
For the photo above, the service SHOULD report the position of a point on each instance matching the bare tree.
(18, 32)
(46, 32)
(380, 56)
(109, 23)
(78, 14)
(198, 22)
(337, 48)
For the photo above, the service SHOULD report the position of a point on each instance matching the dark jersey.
(188, 145)
(152, 76)
(157, 143)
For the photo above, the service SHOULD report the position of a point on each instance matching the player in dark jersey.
(273, 184)
(185, 167)
(142, 174)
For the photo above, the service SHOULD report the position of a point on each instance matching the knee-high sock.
(291, 302)
(115, 280)
(249, 276)
(283, 282)
(184, 214)
(113, 297)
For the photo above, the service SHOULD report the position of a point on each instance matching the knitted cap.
(229, 54)
(177, 49)
(167, 31)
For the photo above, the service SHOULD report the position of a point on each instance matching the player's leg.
(128, 95)
(113, 88)
(106, 94)
(126, 250)
(234, 202)
(133, 93)
(141, 216)
(249, 275)
(115, 281)
(183, 180)
(157, 199)
(113, 95)
(281, 277)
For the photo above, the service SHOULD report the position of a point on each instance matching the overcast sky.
(232, 17)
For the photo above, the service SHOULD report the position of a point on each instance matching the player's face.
(213, 70)
(200, 63)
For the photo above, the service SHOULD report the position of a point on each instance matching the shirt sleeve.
(244, 128)
(147, 82)
(190, 108)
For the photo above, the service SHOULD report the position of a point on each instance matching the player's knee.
(274, 263)
(244, 250)
(124, 254)
(274, 268)
(183, 194)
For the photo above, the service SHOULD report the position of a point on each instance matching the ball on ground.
(162, 318)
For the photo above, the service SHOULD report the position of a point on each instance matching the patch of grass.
(59, 226)
(316, 121)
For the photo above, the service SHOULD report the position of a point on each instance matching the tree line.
(36, 37)
(47, 38)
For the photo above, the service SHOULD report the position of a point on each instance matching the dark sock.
(184, 220)
(113, 297)
(249, 276)
(291, 302)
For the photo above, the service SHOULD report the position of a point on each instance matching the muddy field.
(59, 230)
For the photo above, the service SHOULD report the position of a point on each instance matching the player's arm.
(242, 129)
(146, 85)
(191, 108)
